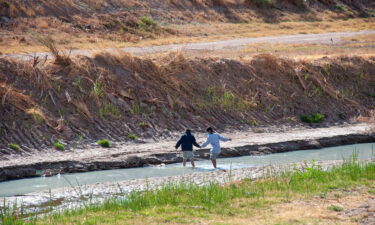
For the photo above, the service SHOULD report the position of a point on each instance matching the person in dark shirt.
(186, 142)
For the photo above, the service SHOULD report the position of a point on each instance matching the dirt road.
(325, 38)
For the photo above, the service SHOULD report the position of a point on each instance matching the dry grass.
(188, 33)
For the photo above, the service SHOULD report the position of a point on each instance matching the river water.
(26, 186)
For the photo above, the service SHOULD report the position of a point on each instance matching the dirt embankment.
(120, 20)
(117, 96)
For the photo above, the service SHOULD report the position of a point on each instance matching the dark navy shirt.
(187, 141)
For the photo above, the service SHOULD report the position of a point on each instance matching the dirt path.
(325, 38)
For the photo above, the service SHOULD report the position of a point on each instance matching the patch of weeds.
(6, 4)
(37, 118)
(136, 108)
(306, 76)
(340, 7)
(147, 23)
(143, 125)
(362, 75)
(107, 109)
(132, 136)
(370, 95)
(261, 3)
(60, 57)
(59, 146)
(104, 143)
(254, 123)
(312, 118)
(335, 208)
(97, 90)
(14, 147)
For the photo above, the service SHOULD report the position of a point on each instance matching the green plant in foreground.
(216, 199)
(104, 143)
(14, 147)
(335, 208)
(59, 146)
(313, 118)
(132, 136)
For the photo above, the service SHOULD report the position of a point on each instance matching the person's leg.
(213, 162)
(192, 163)
(184, 162)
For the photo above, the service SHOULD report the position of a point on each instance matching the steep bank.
(91, 24)
(84, 99)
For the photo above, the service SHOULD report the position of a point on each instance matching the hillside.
(85, 99)
(116, 23)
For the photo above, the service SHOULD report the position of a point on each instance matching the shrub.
(132, 136)
(146, 23)
(59, 146)
(261, 3)
(339, 7)
(14, 147)
(104, 143)
(335, 208)
(313, 118)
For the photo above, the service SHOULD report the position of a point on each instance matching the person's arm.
(179, 143)
(195, 143)
(207, 142)
(221, 138)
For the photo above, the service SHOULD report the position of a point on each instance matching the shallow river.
(25, 186)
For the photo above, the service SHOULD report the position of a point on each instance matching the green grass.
(132, 136)
(313, 118)
(335, 208)
(175, 202)
(14, 147)
(59, 146)
(104, 143)
(147, 23)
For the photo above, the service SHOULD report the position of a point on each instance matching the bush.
(15, 147)
(104, 143)
(335, 208)
(146, 23)
(59, 146)
(313, 118)
(132, 136)
(261, 3)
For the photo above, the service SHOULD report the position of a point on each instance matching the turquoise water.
(25, 186)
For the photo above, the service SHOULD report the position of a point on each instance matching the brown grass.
(187, 34)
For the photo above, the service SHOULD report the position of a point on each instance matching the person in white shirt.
(214, 139)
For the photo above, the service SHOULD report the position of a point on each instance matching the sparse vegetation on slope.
(110, 95)
(87, 24)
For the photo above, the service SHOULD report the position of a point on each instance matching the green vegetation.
(104, 143)
(132, 136)
(147, 23)
(199, 202)
(59, 146)
(97, 90)
(14, 147)
(261, 3)
(313, 118)
(225, 99)
(335, 208)
(340, 7)
(108, 109)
